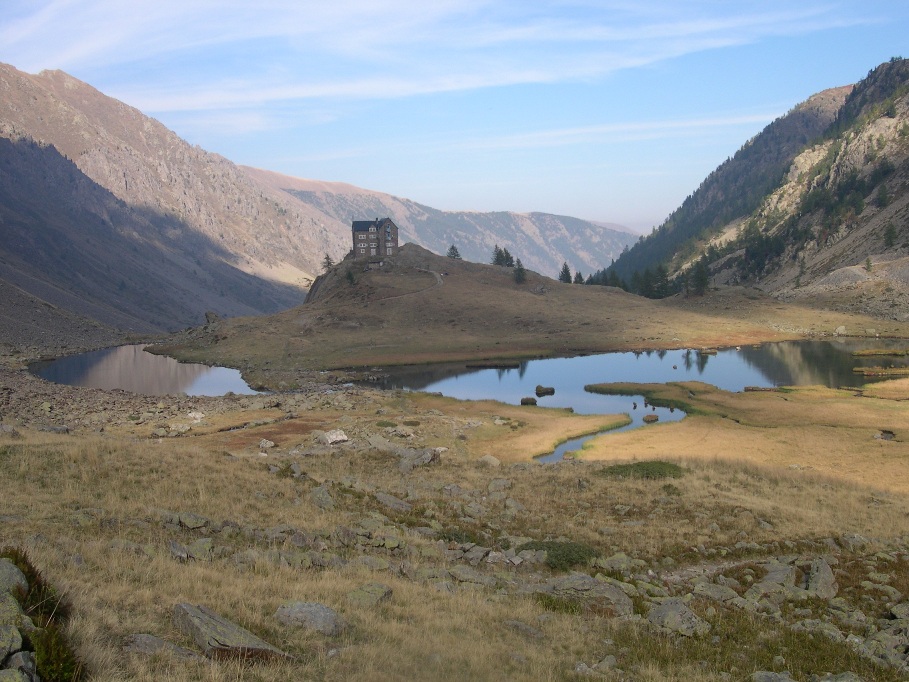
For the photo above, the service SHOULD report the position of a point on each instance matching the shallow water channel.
(790, 363)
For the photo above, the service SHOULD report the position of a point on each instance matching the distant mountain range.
(814, 208)
(107, 213)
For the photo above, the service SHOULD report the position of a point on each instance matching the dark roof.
(364, 225)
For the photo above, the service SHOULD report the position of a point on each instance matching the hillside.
(836, 232)
(738, 185)
(105, 212)
(542, 241)
(833, 231)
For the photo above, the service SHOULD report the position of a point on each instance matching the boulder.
(322, 498)
(369, 595)
(675, 616)
(582, 587)
(490, 461)
(149, 645)
(312, 616)
(544, 390)
(392, 502)
(332, 437)
(528, 401)
(10, 640)
(12, 580)
(821, 582)
(219, 638)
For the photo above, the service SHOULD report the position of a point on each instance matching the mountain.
(738, 185)
(107, 213)
(542, 241)
(831, 231)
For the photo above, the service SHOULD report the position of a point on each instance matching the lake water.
(795, 363)
(791, 363)
(131, 368)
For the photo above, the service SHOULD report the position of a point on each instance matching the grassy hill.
(420, 307)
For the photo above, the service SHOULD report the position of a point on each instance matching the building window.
(372, 252)
(372, 229)
(362, 250)
(361, 236)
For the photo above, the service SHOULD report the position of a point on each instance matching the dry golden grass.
(828, 431)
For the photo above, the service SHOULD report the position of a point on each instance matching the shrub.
(651, 470)
(561, 556)
(54, 657)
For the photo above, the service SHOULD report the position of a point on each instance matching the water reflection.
(131, 368)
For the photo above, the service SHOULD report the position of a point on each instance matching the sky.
(607, 110)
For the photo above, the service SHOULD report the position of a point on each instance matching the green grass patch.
(558, 604)
(385, 424)
(562, 556)
(650, 470)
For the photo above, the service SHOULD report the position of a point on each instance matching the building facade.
(373, 238)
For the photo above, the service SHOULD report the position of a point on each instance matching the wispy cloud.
(169, 55)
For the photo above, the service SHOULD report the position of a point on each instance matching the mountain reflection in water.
(130, 368)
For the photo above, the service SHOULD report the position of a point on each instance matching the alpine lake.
(828, 363)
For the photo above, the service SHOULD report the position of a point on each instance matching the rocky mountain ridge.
(541, 240)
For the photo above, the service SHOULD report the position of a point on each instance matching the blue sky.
(599, 109)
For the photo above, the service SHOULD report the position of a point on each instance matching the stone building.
(374, 238)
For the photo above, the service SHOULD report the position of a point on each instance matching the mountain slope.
(542, 241)
(108, 213)
(736, 187)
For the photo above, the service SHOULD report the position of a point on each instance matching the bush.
(651, 470)
(54, 657)
(561, 556)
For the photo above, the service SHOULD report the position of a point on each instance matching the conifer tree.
(565, 274)
(453, 252)
(520, 274)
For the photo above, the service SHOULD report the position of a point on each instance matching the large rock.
(332, 437)
(821, 582)
(675, 616)
(10, 640)
(10, 611)
(581, 587)
(392, 502)
(369, 595)
(312, 616)
(149, 645)
(219, 638)
(322, 498)
(11, 578)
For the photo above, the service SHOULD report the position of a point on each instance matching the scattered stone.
(193, 521)
(767, 676)
(332, 437)
(266, 444)
(392, 502)
(10, 640)
(312, 616)
(675, 616)
(524, 629)
(219, 638)
(821, 582)
(490, 461)
(369, 595)
(149, 645)
(321, 497)
(581, 587)
(11, 578)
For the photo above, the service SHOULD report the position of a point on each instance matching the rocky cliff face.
(836, 232)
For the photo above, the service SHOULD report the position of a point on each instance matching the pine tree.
(520, 274)
(578, 278)
(498, 256)
(507, 259)
(327, 262)
(565, 274)
(453, 252)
